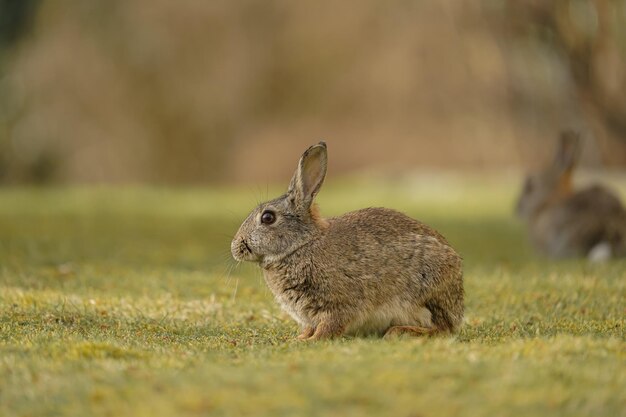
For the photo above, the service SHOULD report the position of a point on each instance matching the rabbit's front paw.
(307, 332)
(328, 328)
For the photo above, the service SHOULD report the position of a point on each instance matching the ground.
(125, 301)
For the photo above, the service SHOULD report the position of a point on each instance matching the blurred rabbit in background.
(563, 222)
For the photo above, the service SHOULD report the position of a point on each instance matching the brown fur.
(364, 272)
(317, 218)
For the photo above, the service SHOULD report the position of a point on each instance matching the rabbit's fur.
(371, 271)
(564, 223)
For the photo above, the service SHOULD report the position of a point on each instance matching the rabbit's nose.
(234, 248)
(240, 249)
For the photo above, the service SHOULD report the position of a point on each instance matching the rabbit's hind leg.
(396, 331)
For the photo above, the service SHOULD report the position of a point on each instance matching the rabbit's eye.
(268, 217)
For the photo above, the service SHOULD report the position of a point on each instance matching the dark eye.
(268, 217)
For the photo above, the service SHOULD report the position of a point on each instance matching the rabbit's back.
(387, 243)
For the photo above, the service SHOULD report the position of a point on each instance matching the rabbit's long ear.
(309, 176)
(568, 152)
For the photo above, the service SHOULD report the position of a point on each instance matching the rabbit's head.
(552, 183)
(278, 227)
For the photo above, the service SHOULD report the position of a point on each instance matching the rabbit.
(564, 223)
(373, 271)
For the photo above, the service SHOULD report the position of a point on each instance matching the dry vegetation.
(192, 91)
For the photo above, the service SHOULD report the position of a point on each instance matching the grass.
(124, 301)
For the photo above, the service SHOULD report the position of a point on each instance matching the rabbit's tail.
(441, 320)
(447, 312)
(612, 239)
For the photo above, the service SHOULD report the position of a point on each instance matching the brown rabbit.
(371, 271)
(566, 223)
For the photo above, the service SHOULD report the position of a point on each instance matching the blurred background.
(193, 92)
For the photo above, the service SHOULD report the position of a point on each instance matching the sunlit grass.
(126, 302)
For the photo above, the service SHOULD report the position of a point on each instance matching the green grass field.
(125, 301)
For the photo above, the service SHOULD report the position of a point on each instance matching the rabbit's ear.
(309, 175)
(568, 152)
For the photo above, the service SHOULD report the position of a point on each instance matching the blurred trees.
(590, 36)
(182, 92)
(15, 18)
